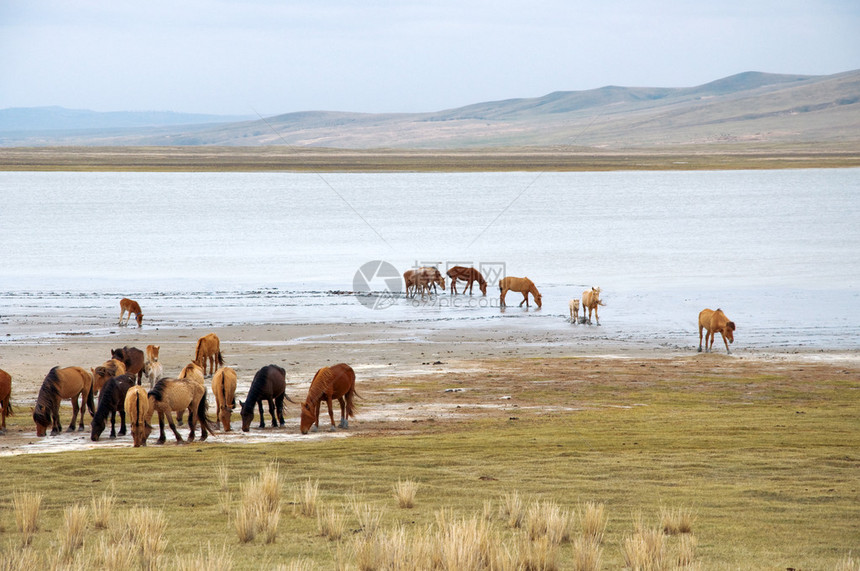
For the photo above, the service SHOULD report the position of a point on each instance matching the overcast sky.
(267, 56)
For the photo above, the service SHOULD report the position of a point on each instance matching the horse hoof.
(113, 437)
(332, 428)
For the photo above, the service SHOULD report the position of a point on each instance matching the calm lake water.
(779, 251)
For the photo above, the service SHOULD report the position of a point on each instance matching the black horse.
(269, 384)
(111, 400)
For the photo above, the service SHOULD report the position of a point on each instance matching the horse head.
(308, 417)
(98, 426)
(42, 419)
(483, 286)
(247, 414)
(730, 331)
(139, 318)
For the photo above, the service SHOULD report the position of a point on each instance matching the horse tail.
(220, 358)
(350, 404)
(7, 406)
(91, 404)
(202, 408)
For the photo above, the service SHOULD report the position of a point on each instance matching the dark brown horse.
(106, 370)
(468, 275)
(5, 395)
(172, 395)
(132, 358)
(269, 384)
(335, 382)
(111, 401)
(66, 383)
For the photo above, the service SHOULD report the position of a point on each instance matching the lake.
(779, 251)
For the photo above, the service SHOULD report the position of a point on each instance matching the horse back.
(705, 318)
(72, 381)
(343, 380)
(129, 305)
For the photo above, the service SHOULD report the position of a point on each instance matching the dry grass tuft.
(260, 509)
(593, 520)
(405, 491)
(245, 522)
(210, 560)
(102, 508)
(26, 506)
(675, 521)
(540, 555)
(225, 499)
(72, 531)
(547, 519)
(332, 524)
(369, 519)
(686, 558)
(587, 554)
(18, 559)
(115, 556)
(848, 563)
(645, 550)
(308, 497)
(147, 528)
(513, 509)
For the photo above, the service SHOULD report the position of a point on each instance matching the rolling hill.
(748, 107)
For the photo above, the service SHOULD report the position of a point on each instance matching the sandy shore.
(383, 355)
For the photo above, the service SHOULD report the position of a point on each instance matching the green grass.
(773, 476)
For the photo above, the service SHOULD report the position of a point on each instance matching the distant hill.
(747, 107)
(58, 119)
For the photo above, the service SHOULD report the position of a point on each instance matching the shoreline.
(740, 156)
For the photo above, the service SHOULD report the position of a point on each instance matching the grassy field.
(764, 456)
(307, 159)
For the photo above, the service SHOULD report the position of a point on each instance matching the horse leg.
(173, 426)
(316, 425)
(262, 418)
(525, 299)
(113, 424)
(192, 424)
(75, 414)
(56, 428)
(122, 421)
(272, 412)
(330, 413)
(502, 297)
(344, 422)
(162, 438)
(700, 338)
(728, 351)
(279, 406)
(596, 317)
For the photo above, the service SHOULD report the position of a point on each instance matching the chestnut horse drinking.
(5, 395)
(715, 322)
(66, 383)
(335, 382)
(269, 384)
(111, 401)
(522, 285)
(468, 275)
(130, 306)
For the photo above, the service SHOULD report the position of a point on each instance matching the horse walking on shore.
(270, 384)
(590, 302)
(715, 322)
(335, 382)
(5, 396)
(522, 285)
(138, 414)
(224, 388)
(468, 275)
(59, 384)
(111, 401)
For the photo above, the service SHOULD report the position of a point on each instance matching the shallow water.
(779, 251)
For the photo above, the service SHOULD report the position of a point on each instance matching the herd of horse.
(119, 388)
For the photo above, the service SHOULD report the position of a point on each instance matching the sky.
(268, 57)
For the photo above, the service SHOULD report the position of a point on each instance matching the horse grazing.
(269, 384)
(132, 358)
(423, 278)
(103, 372)
(335, 382)
(468, 275)
(208, 348)
(715, 322)
(130, 306)
(590, 301)
(574, 310)
(137, 411)
(5, 395)
(66, 383)
(174, 395)
(111, 401)
(224, 388)
(522, 285)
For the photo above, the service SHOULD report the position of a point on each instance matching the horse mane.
(322, 379)
(49, 394)
(157, 391)
(51, 385)
(256, 388)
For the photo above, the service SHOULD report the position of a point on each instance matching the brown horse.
(522, 285)
(66, 383)
(423, 278)
(715, 322)
(590, 301)
(103, 372)
(335, 382)
(152, 353)
(468, 275)
(5, 395)
(137, 412)
(132, 358)
(269, 384)
(224, 387)
(130, 306)
(174, 395)
(111, 401)
(208, 349)
(195, 373)
(574, 310)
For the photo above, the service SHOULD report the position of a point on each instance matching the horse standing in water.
(590, 302)
(5, 395)
(137, 411)
(269, 384)
(130, 306)
(224, 387)
(715, 322)
(468, 275)
(522, 285)
(67, 383)
(208, 350)
(335, 382)
(111, 401)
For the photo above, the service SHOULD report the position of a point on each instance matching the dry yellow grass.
(26, 506)
(72, 531)
(404, 492)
